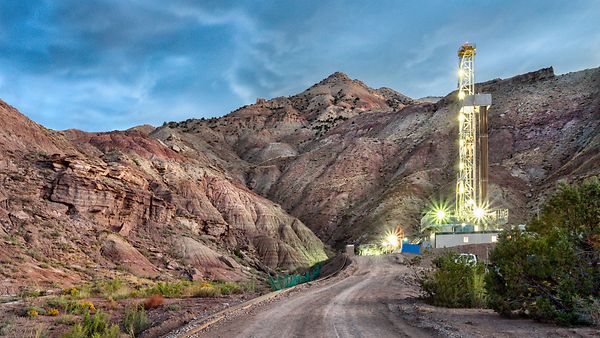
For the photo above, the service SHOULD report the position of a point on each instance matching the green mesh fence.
(280, 282)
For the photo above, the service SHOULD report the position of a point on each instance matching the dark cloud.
(112, 64)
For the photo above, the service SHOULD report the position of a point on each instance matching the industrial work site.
(316, 169)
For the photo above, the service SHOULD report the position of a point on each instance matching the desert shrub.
(66, 320)
(154, 302)
(552, 271)
(248, 286)
(454, 283)
(87, 306)
(32, 311)
(228, 288)
(205, 290)
(114, 288)
(167, 289)
(96, 326)
(73, 292)
(52, 312)
(135, 320)
(588, 310)
(31, 293)
(69, 305)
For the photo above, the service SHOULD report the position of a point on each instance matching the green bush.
(32, 311)
(248, 286)
(205, 291)
(454, 283)
(167, 289)
(112, 289)
(228, 288)
(96, 326)
(552, 271)
(135, 320)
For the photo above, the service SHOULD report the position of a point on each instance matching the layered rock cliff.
(75, 206)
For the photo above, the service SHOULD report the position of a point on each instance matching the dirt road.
(361, 305)
(375, 297)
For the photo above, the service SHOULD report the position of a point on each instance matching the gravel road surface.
(360, 305)
(375, 297)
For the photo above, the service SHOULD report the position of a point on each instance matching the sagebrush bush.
(96, 326)
(135, 320)
(112, 289)
(32, 311)
(167, 289)
(205, 290)
(228, 288)
(454, 283)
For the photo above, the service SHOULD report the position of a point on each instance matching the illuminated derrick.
(472, 220)
(472, 204)
(467, 197)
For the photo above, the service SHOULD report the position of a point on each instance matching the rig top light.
(466, 49)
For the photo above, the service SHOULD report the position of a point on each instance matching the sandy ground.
(375, 297)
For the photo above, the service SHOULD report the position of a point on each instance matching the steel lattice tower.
(473, 211)
(468, 196)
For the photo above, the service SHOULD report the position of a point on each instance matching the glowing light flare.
(439, 212)
(481, 213)
(440, 215)
(461, 95)
(391, 240)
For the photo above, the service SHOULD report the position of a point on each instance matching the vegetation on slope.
(552, 271)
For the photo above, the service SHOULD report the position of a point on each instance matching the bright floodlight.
(392, 240)
(461, 73)
(461, 95)
(438, 213)
(479, 213)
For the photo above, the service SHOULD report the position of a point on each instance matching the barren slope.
(351, 161)
(74, 206)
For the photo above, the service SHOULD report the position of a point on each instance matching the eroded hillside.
(351, 161)
(229, 197)
(76, 206)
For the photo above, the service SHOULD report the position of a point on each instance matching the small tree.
(551, 272)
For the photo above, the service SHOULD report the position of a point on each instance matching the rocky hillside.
(229, 197)
(351, 161)
(76, 206)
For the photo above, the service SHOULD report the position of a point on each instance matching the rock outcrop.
(81, 204)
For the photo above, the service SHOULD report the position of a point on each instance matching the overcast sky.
(114, 64)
